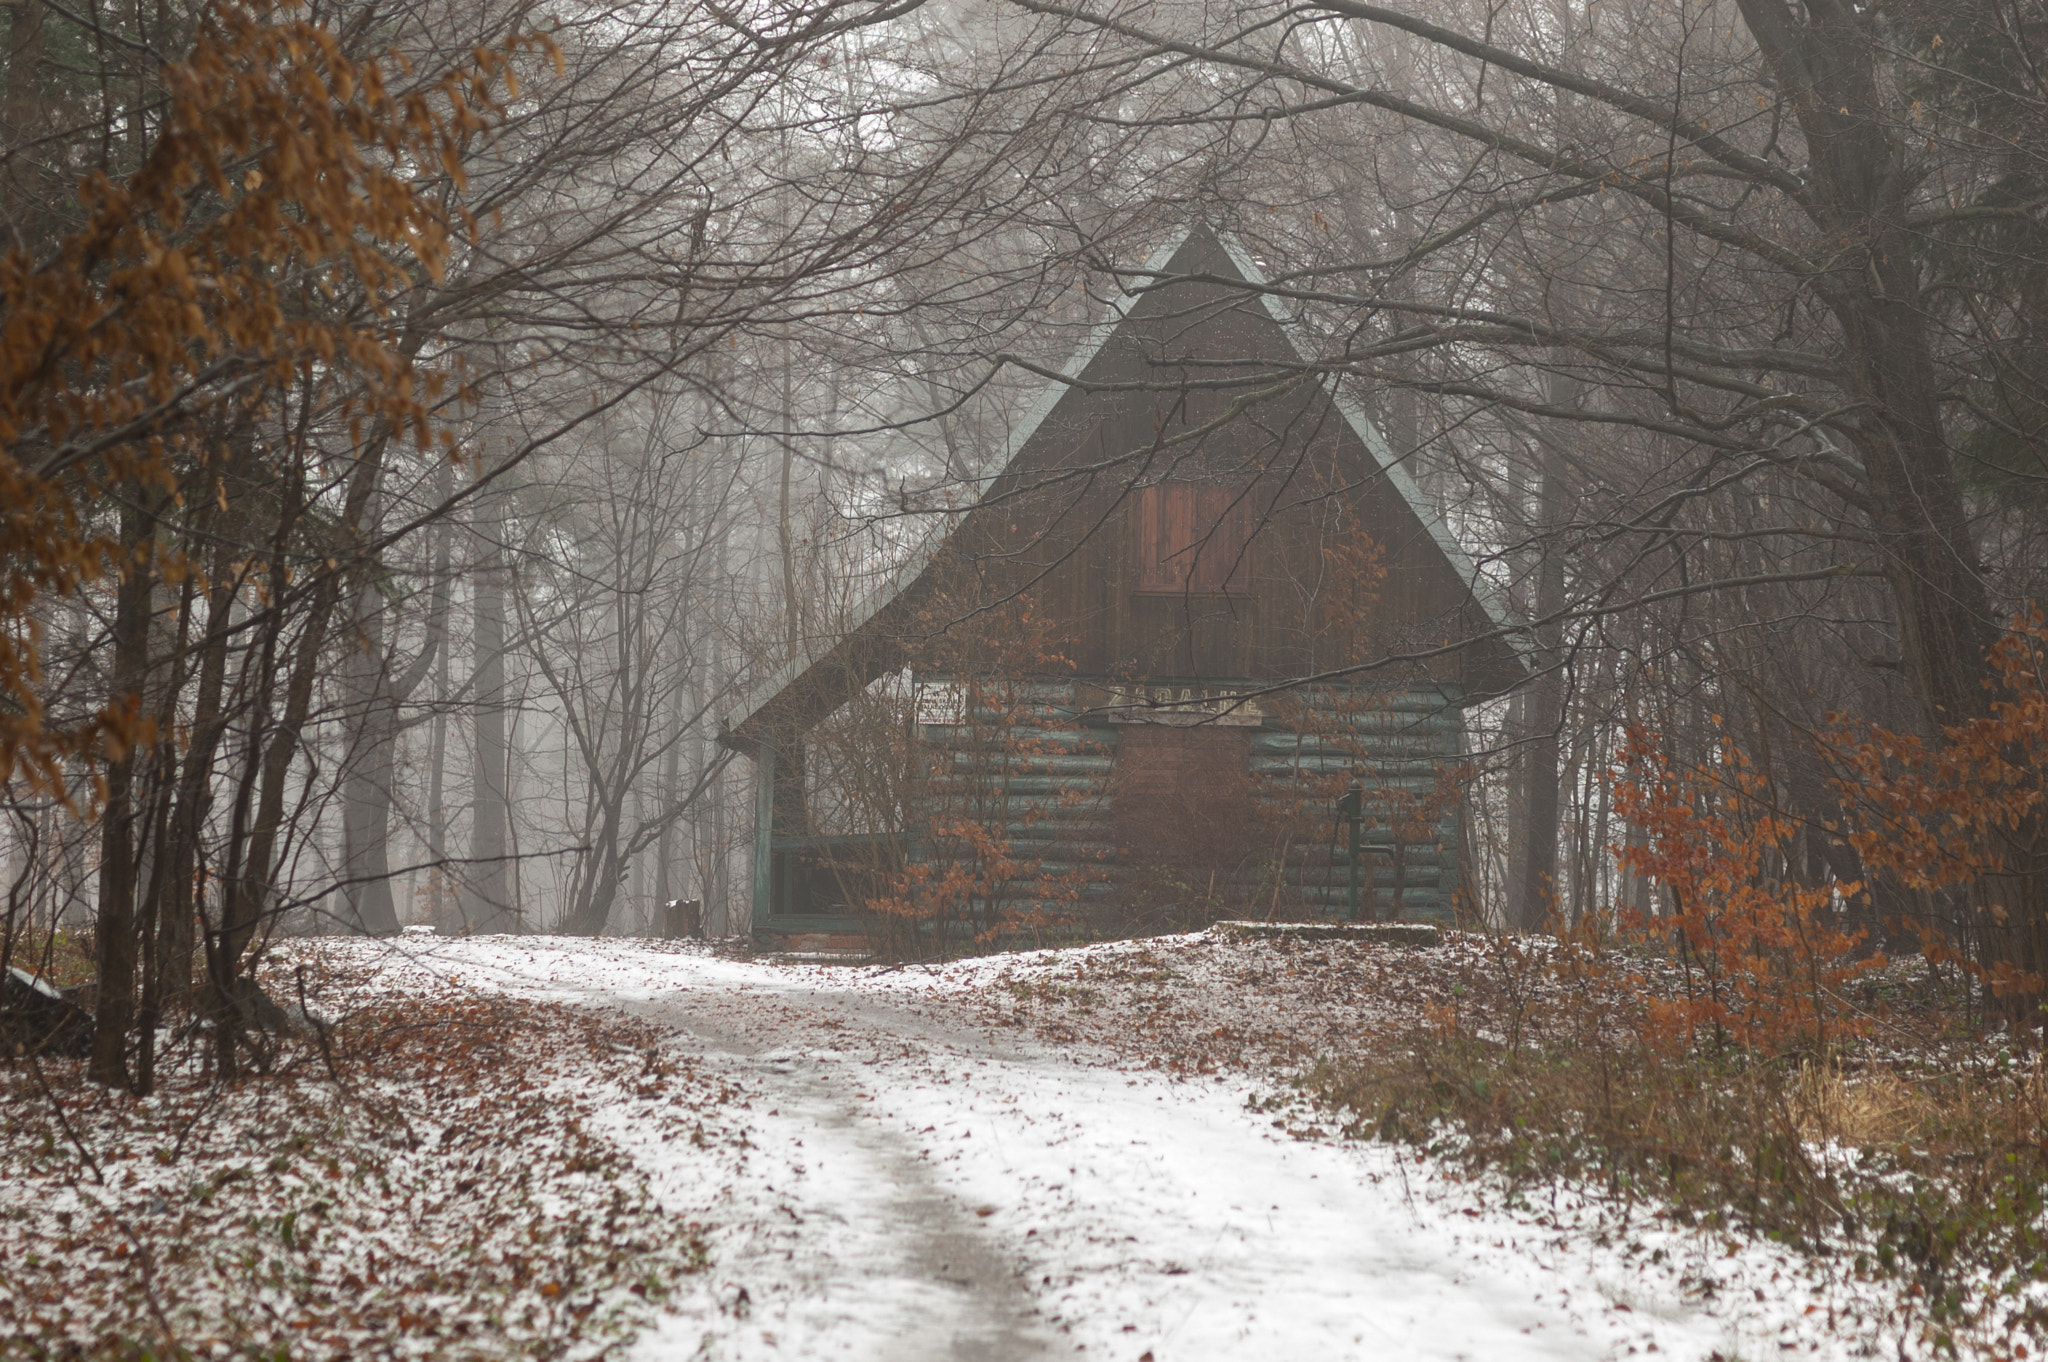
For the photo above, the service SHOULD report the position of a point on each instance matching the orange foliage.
(1764, 956)
(970, 874)
(1966, 812)
(258, 248)
(970, 867)
(1961, 819)
(1353, 569)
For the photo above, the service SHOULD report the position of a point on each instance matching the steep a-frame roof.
(881, 628)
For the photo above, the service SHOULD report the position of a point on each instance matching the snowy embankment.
(420, 1177)
(1091, 1151)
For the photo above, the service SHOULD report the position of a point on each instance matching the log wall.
(1048, 780)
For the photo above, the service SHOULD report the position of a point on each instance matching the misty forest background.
(1716, 329)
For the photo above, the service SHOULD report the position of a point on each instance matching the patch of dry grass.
(1871, 1111)
(1922, 1158)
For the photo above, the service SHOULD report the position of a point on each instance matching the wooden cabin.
(1196, 601)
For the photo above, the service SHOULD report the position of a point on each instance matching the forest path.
(919, 1186)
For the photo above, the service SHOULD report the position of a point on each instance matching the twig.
(319, 1027)
(146, 1263)
(213, 1095)
(64, 1121)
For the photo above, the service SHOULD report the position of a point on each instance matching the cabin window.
(1192, 537)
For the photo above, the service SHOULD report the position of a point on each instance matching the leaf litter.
(700, 1152)
(443, 1192)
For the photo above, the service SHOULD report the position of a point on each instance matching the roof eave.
(740, 727)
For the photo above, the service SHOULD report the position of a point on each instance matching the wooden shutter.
(1191, 537)
(1217, 556)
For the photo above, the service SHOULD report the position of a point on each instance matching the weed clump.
(1908, 1150)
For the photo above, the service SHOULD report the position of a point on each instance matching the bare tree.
(1738, 235)
(610, 604)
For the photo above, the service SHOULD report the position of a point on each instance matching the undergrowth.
(418, 1177)
(1915, 1154)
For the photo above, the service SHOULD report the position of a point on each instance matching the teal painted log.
(965, 740)
(1367, 746)
(1416, 858)
(1075, 765)
(1411, 898)
(1320, 724)
(1028, 784)
(1412, 781)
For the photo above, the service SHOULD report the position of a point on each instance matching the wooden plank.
(761, 906)
(1182, 796)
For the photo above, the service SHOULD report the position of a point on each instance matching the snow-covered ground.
(921, 1178)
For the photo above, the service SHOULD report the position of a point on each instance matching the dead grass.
(438, 1193)
(1873, 1111)
(1919, 1154)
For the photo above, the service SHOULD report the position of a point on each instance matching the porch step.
(1385, 933)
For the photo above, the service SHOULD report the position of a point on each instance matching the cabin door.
(1182, 797)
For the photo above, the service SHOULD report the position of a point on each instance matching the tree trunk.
(250, 893)
(180, 905)
(664, 852)
(366, 791)
(114, 937)
(21, 113)
(486, 898)
(591, 907)
(1534, 893)
(437, 754)
(792, 604)
(1860, 195)
(249, 887)
(374, 699)
(719, 888)
(161, 896)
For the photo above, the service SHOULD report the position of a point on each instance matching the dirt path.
(866, 1251)
(922, 1188)
(906, 1171)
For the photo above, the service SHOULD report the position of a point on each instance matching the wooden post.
(764, 828)
(1351, 808)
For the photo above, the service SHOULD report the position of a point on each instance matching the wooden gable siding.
(1064, 523)
(1275, 620)
(1054, 520)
